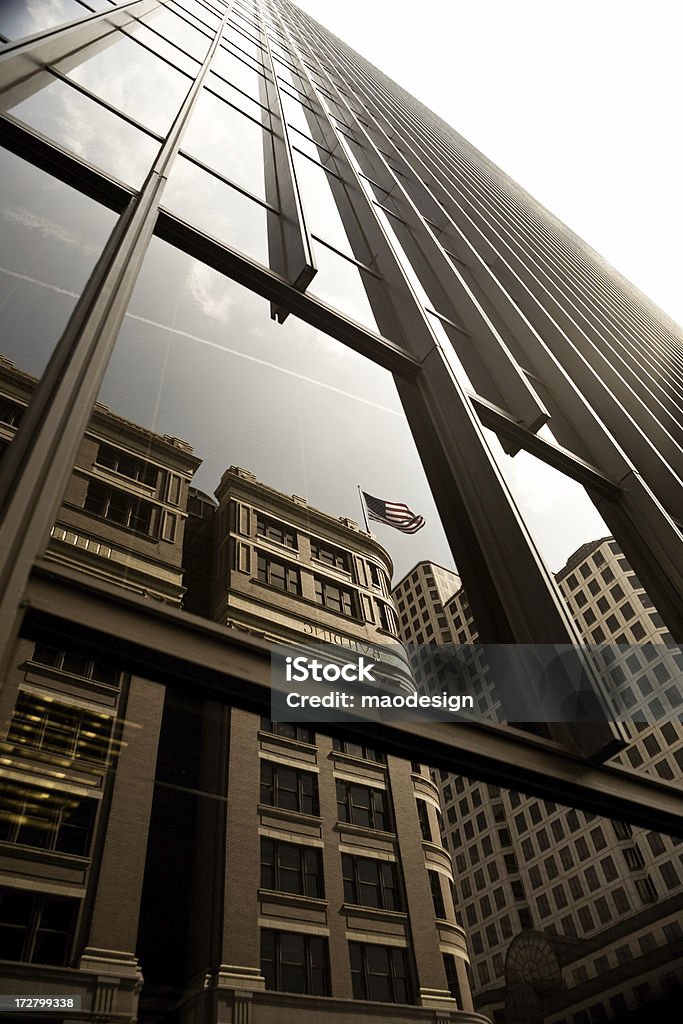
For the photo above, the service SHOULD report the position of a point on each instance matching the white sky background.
(580, 103)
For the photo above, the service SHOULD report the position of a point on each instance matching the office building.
(222, 225)
(571, 918)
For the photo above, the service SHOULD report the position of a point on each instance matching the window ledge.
(293, 899)
(363, 830)
(378, 913)
(288, 815)
(287, 741)
(366, 762)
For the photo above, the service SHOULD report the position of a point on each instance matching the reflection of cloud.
(48, 228)
(42, 284)
(264, 362)
(209, 292)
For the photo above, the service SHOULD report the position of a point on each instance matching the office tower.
(570, 917)
(226, 227)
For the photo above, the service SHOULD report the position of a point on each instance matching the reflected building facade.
(571, 918)
(229, 238)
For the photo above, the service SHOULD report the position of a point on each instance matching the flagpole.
(365, 511)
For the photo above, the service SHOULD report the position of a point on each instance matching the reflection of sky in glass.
(217, 209)
(198, 357)
(225, 139)
(339, 283)
(150, 91)
(51, 238)
(82, 126)
(24, 17)
(179, 32)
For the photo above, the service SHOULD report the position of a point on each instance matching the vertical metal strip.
(289, 246)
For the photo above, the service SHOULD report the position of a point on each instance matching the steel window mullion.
(289, 245)
(39, 462)
(488, 360)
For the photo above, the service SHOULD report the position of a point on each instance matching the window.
(336, 598)
(379, 973)
(35, 929)
(272, 530)
(423, 817)
(288, 788)
(62, 822)
(293, 962)
(452, 977)
(646, 890)
(369, 882)
(623, 830)
(437, 894)
(288, 729)
(11, 412)
(119, 508)
(361, 750)
(634, 858)
(64, 730)
(330, 555)
(361, 805)
(277, 574)
(127, 465)
(291, 867)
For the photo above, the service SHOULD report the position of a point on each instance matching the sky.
(578, 101)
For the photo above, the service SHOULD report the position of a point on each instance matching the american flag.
(393, 513)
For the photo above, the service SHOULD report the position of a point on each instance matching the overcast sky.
(580, 102)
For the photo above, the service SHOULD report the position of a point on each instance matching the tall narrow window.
(379, 973)
(288, 788)
(361, 805)
(294, 962)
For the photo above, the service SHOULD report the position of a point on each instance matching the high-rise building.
(571, 918)
(222, 225)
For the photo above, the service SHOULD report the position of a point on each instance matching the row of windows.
(294, 962)
(296, 790)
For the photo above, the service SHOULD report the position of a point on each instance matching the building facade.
(571, 918)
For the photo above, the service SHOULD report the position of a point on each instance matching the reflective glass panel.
(51, 238)
(19, 18)
(226, 140)
(178, 31)
(151, 91)
(84, 127)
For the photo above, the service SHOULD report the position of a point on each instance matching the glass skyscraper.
(229, 241)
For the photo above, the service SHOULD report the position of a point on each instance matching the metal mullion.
(508, 307)
(39, 462)
(289, 246)
(639, 523)
(226, 181)
(186, 16)
(489, 361)
(465, 480)
(184, 651)
(303, 135)
(277, 290)
(350, 259)
(40, 151)
(239, 110)
(159, 35)
(225, 45)
(232, 85)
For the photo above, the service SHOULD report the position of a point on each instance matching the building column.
(111, 939)
(431, 985)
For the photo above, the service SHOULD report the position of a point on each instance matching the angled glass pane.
(51, 239)
(151, 91)
(178, 31)
(215, 208)
(84, 127)
(19, 18)
(226, 140)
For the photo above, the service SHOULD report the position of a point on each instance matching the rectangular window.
(379, 973)
(274, 531)
(36, 929)
(277, 574)
(361, 750)
(329, 555)
(361, 805)
(119, 508)
(437, 894)
(289, 788)
(288, 729)
(293, 962)
(371, 883)
(76, 664)
(423, 817)
(452, 977)
(293, 868)
(127, 465)
(337, 599)
(41, 723)
(62, 822)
